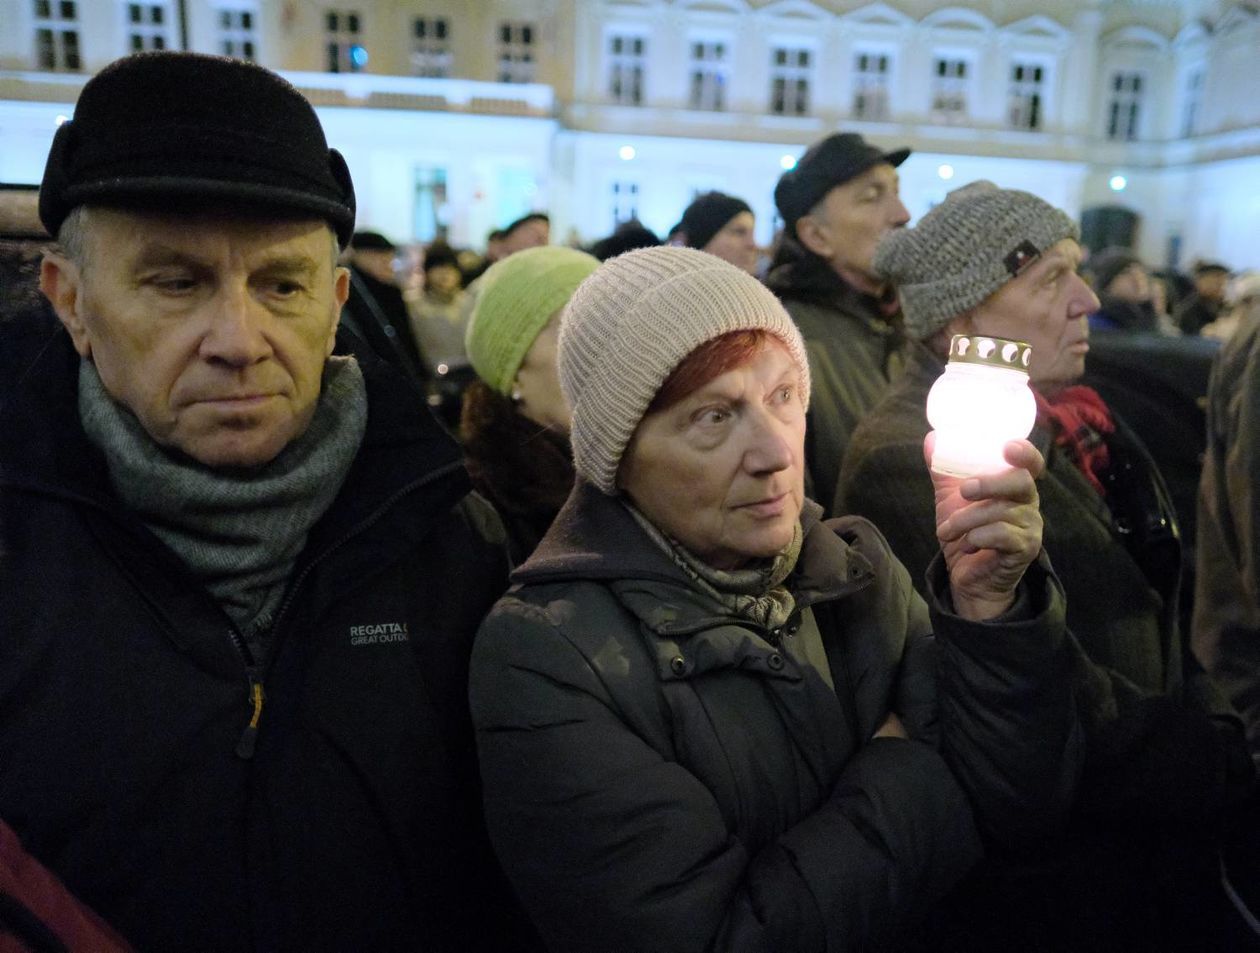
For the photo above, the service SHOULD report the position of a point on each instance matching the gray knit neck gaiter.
(239, 531)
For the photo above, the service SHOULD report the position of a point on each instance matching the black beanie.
(153, 127)
(1103, 267)
(707, 216)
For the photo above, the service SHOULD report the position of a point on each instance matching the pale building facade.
(458, 115)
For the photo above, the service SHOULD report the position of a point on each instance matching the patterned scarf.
(756, 593)
(1079, 421)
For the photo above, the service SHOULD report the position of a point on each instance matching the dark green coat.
(662, 776)
(854, 342)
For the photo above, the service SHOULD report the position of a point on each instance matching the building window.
(949, 89)
(1025, 97)
(625, 202)
(789, 82)
(148, 27)
(343, 42)
(627, 57)
(1125, 109)
(431, 47)
(708, 75)
(238, 32)
(516, 52)
(870, 85)
(1193, 98)
(57, 35)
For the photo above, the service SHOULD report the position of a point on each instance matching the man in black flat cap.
(838, 201)
(239, 576)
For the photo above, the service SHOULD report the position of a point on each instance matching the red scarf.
(1079, 420)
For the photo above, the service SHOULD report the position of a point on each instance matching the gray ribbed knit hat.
(632, 322)
(965, 249)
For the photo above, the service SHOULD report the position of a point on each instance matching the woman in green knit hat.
(515, 422)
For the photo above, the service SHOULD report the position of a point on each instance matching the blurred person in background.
(1205, 304)
(721, 225)
(514, 424)
(437, 313)
(376, 310)
(625, 237)
(1239, 308)
(1125, 294)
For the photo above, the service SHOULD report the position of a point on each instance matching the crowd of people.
(599, 599)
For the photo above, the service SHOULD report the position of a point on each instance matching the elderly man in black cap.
(837, 203)
(239, 576)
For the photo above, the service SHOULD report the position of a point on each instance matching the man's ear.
(341, 292)
(813, 236)
(61, 281)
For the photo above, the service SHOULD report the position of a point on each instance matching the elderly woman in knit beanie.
(722, 225)
(514, 421)
(1003, 262)
(708, 720)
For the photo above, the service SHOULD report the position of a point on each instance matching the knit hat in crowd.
(707, 216)
(632, 322)
(826, 164)
(1102, 268)
(153, 128)
(965, 249)
(517, 298)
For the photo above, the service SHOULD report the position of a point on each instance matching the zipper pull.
(249, 738)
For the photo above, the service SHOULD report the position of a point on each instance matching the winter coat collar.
(799, 275)
(594, 538)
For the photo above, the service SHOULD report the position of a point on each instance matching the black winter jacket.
(349, 820)
(663, 776)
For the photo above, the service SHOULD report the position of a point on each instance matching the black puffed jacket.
(661, 775)
(348, 818)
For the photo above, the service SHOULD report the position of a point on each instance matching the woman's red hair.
(709, 361)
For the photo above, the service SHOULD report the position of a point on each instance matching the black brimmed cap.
(155, 128)
(826, 164)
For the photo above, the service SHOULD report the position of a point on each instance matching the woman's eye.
(714, 416)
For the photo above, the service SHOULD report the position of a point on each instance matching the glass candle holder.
(979, 403)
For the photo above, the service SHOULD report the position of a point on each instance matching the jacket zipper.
(249, 737)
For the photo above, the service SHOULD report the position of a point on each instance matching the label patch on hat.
(1025, 254)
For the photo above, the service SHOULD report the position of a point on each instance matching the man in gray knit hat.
(1003, 262)
(838, 201)
(239, 575)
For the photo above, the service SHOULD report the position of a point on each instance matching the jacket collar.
(594, 538)
(797, 274)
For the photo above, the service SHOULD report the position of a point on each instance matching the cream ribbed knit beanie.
(632, 322)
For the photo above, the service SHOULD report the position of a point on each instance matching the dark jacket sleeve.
(615, 846)
(1008, 717)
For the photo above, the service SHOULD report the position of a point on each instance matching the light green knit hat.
(517, 297)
